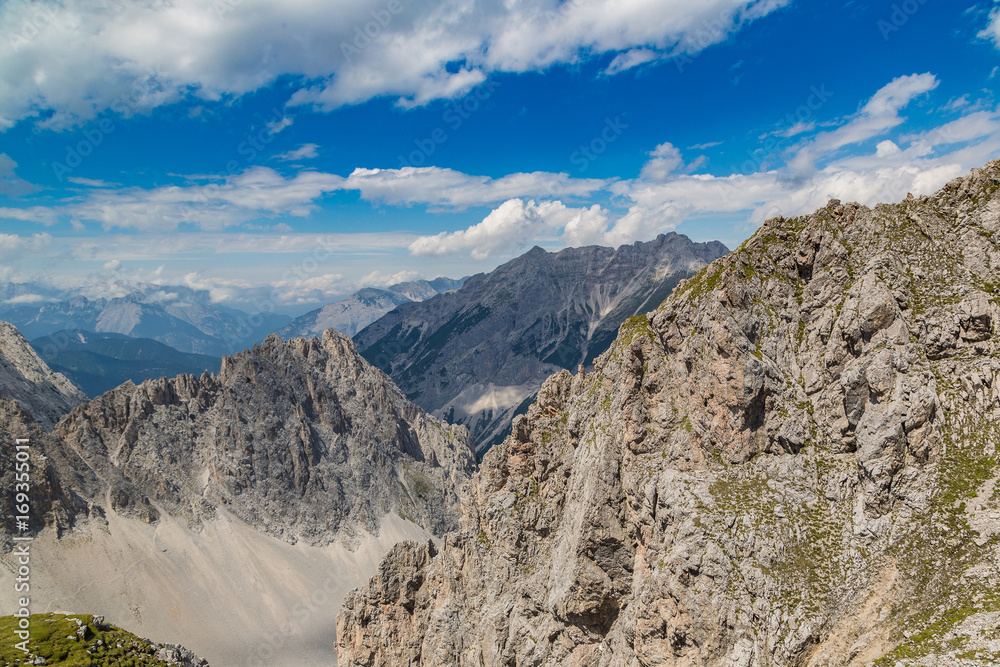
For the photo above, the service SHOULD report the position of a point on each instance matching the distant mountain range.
(187, 324)
(364, 307)
(99, 362)
(477, 355)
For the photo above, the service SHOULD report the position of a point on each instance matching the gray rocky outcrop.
(178, 655)
(303, 440)
(476, 356)
(792, 461)
(27, 380)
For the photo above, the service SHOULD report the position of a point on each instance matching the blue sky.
(294, 151)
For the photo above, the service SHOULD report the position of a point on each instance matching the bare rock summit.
(27, 380)
(793, 461)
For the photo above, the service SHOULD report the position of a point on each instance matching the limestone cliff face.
(231, 513)
(793, 461)
(477, 356)
(27, 380)
(299, 439)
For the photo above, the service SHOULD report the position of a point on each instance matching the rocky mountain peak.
(477, 355)
(214, 508)
(364, 307)
(300, 439)
(792, 461)
(26, 379)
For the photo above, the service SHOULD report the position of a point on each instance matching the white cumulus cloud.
(440, 187)
(880, 114)
(68, 60)
(992, 30)
(511, 226)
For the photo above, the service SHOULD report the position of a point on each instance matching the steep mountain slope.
(26, 379)
(211, 508)
(364, 307)
(234, 328)
(793, 461)
(298, 439)
(99, 362)
(476, 354)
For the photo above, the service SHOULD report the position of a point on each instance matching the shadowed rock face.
(793, 461)
(27, 380)
(477, 356)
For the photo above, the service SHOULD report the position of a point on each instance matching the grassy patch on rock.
(75, 641)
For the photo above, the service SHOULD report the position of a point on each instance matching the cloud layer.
(813, 170)
(65, 62)
(867, 156)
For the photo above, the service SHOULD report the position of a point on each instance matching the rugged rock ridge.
(231, 513)
(26, 379)
(53, 503)
(299, 439)
(478, 355)
(793, 461)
